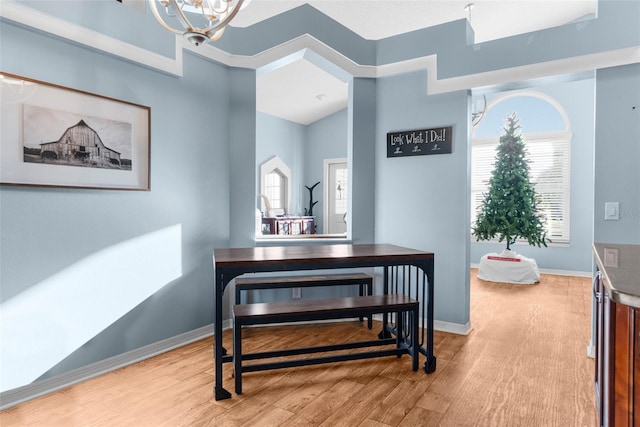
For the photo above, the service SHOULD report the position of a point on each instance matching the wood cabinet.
(289, 225)
(617, 369)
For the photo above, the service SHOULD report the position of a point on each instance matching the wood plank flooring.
(523, 364)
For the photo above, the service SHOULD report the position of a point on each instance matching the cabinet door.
(308, 225)
(608, 359)
(283, 227)
(295, 227)
(636, 369)
(617, 368)
(598, 294)
(623, 368)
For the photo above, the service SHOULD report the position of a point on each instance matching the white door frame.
(325, 191)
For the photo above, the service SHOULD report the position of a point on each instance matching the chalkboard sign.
(419, 142)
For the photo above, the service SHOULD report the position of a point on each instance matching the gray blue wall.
(422, 202)
(326, 139)
(287, 140)
(303, 149)
(49, 232)
(617, 153)
(203, 157)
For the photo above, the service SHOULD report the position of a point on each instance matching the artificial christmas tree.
(509, 211)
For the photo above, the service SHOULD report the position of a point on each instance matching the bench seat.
(278, 282)
(406, 341)
(362, 280)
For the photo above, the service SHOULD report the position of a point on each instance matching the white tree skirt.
(508, 267)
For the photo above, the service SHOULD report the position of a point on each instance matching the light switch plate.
(611, 211)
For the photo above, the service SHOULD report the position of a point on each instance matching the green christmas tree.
(509, 208)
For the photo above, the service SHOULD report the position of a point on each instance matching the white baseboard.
(31, 391)
(566, 272)
(442, 326)
(22, 394)
(452, 328)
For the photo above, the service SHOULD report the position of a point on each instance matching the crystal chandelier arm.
(213, 31)
(216, 14)
(216, 36)
(156, 14)
(180, 16)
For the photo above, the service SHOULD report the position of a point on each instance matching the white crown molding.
(558, 67)
(81, 35)
(32, 18)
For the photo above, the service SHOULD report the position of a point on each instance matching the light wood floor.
(523, 364)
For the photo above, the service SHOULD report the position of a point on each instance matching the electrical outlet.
(296, 293)
(610, 257)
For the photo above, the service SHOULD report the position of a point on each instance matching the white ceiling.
(291, 92)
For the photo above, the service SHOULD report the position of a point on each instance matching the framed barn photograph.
(51, 135)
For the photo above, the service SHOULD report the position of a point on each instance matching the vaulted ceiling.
(303, 93)
(377, 19)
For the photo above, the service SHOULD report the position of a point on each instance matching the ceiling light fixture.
(212, 15)
(478, 111)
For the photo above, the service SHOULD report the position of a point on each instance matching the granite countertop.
(620, 267)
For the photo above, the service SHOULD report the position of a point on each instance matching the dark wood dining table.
(406, 271)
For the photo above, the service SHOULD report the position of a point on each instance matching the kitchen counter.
(620, 268)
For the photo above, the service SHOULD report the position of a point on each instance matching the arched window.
(546, 131)
(275, 187)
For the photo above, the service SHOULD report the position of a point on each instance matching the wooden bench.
(406, 339)
(362, 280)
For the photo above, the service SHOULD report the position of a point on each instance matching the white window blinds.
(549, 162)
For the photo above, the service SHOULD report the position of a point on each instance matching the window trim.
(276, 164)
(325, 192)
(564, 136)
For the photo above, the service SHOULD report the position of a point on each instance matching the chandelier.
(201, 20)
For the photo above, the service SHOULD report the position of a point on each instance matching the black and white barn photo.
(61, 138)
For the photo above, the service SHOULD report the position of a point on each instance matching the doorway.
(336, 196)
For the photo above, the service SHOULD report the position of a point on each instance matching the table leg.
(385, 290)
(237, 356)
(219, 392)
(430, 363)
(414, 339)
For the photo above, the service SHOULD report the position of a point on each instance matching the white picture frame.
(51, 135)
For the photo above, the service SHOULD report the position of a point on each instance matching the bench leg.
(414, 339)
(361, 293)
(366, 288)
(399, 329)
(369, 285)
(237, 356)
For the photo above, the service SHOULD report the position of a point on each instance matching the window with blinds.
(273, 189)
(549, 158)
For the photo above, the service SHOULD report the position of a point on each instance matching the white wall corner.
(452, 328)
